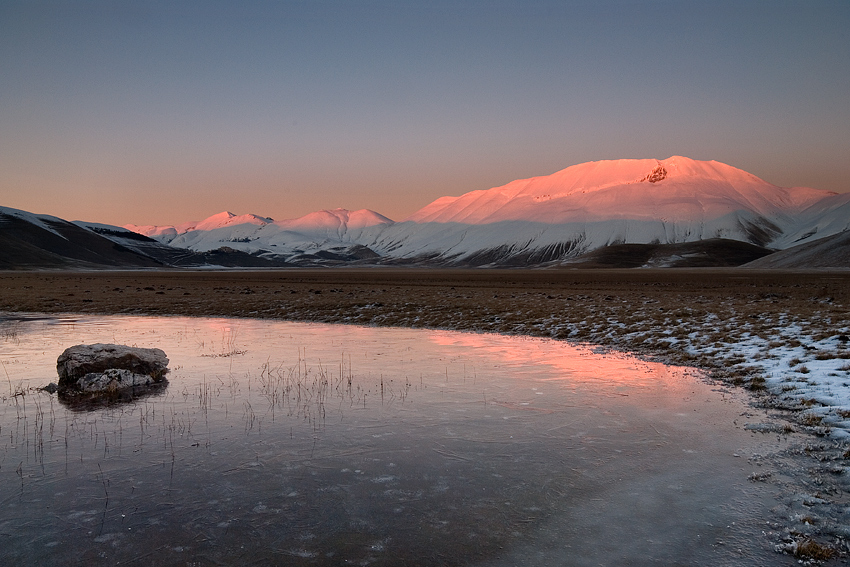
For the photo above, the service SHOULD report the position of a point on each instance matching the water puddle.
(308, 444)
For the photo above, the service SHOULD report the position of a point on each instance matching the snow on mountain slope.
(127, 238)
(34, 241)
(676, 189)
(164, 233)
(831, 251)
(547, 218)
(500, 242)
(336, 230)
(41, 221)
(222, 257)
(826, 217)
(227, 218)
(337, 223)
(167, 233)
(596, 204)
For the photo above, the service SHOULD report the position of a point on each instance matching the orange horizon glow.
(156, 114)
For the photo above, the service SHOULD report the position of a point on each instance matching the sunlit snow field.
(296, 443)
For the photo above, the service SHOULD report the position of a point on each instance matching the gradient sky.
(162, 112)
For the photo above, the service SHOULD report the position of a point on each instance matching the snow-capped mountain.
(543, 219)
(563, 218)
(674, 190)
(167, 233)
(330, 233)
(591, 205)
(826, 217)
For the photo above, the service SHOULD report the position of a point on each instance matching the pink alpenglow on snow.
(327, 228)
(557, 216)
(336, 219)
(678, 189)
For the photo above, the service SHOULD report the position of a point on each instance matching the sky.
(156, 112)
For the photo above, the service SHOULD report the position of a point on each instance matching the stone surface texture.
(109, 367)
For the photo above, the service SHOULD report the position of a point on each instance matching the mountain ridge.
(549, 220)
(636, 187)
(566, 214)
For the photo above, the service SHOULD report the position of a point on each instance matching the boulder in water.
(109, 368)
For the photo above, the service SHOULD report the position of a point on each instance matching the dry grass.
(810, 549)
(810, 419)
(757, 383)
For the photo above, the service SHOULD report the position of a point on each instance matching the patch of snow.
(38, 220)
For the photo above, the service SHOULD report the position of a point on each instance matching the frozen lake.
(308, 444)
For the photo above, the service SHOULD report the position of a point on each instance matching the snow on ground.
(802, 369)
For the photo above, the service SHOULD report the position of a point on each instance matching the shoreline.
(781, 335)
(695, 317)
(772, 332)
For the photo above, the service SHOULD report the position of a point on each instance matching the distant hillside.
(30, 241)
(323, 237)
(828, 252)
(715, 252)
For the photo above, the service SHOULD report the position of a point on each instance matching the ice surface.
(277, 442)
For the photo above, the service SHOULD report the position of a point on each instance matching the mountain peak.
(338, 218)
(535, 221)
(674, 188)
(226, 218)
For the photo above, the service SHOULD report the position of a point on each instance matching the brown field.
(634, 310)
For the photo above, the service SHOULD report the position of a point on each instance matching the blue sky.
(160, 112)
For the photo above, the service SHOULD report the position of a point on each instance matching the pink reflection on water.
(433, 423)
(548, 360)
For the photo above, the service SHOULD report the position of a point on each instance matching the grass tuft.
(810, 549)
(811, 419)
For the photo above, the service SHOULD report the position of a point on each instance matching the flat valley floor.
(646, 311)
(782, 335)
